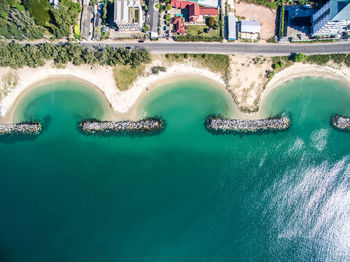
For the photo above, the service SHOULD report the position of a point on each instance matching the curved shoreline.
(298, 70)
(124, 104)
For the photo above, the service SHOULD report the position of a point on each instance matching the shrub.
(347, 60)
(298, 57)
(196, 38)
(157, 69)
(338, 58)
(276, 66)
(210, 21)
(76, 30)
(318, 59)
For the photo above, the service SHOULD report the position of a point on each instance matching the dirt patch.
(248, 80)
(264, 15)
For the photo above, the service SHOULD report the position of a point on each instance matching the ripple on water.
(311, 204)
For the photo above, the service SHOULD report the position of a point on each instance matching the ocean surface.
(183, 195)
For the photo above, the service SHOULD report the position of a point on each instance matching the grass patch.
(273, 4)
(8, 82)
(196, 30)
(125, 75)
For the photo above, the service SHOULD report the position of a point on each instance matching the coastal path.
(231, 48)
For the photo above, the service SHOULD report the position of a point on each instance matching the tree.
(167, 17)
(64, 17)
(298, 57)
(39, 10)
(104, 16)
(168, 7)
(210, 21)
(158, 6)
(145, 28)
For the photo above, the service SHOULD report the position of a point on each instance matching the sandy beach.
(124, 103)
(100, 78)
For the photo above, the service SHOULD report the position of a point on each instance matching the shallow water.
(184, 195)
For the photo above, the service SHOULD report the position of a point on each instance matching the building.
(331, 19)
(54, 3)
(179, 26)
(128, 15)
(231, 28)
(207, 3)
(250, 26)
(86, 23)
(195, 11)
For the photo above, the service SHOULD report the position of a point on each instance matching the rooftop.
(340, 10)
(250, 26)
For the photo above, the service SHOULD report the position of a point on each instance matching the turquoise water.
(184, 195)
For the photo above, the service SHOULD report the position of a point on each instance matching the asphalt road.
(233, 48)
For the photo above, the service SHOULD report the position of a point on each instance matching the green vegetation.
(197, 38)
(125, 75)
(210, 21)
(16, 22)
(16, 55)
(39, 10)
(145, 28)
(76, 31)
(8, 82)
(104, 10)
(318, 59)
(338, 58)
(36, 17)
(268, 3)
(215, 63)
(204, 31)
(63, 18)
(347, 60)
(282, 21)
(157, 69)
(298, 57)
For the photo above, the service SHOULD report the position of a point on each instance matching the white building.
(331, 19)
(128, 14)
(207, 3)
(54, 3)
(250, 26)
(231, 25)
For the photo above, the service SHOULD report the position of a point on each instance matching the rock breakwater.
(221, 125)
(143, 127)
(25, 128)
(341, 122)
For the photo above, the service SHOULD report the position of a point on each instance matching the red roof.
(194, 10)
(180, 4)
(179, 26)
(208, 11)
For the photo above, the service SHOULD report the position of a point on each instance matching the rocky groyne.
(25, 128)
(340, 122)
(220, 125)
(148, 126)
